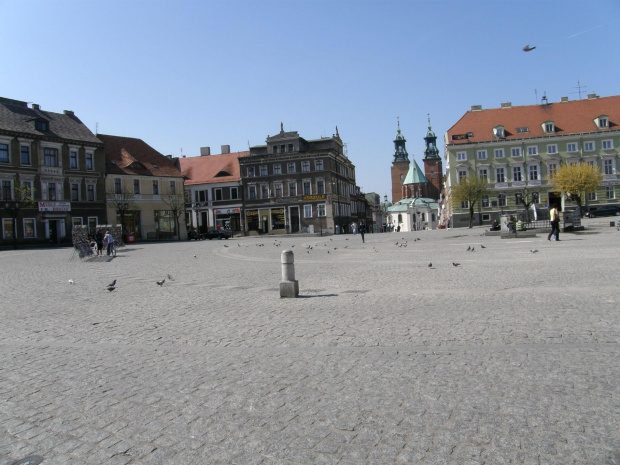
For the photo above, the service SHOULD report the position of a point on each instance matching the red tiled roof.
(130, 156)
(570, 117)
(205, 170)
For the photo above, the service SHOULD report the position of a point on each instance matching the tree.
(176, 203)
(470, 189)
(122, 202)
(576, 179)
(22, 198)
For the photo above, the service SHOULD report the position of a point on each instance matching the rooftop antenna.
(543, 100)
(579, 87)
(535, 96)
(96, 128)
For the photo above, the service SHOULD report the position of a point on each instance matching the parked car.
(216, 234)
(195, 235)
(608, 210)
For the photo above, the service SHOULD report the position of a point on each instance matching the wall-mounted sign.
(54, 206)
(314, 197)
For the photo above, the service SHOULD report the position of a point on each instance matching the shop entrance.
(294, 219)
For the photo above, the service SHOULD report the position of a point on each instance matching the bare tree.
(22, 198)
(123, 202)
(176, 204)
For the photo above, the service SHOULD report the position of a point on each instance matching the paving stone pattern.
(510, 358)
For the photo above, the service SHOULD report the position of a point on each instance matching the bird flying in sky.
(527, 48)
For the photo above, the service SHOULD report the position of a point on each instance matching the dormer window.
(602, 122)
(548, 127)
(498, 131)
(41, 125)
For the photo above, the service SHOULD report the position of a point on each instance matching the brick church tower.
(400, 166)
(433, 166)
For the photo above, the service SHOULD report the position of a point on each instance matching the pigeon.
(71, 281)
(533, 250)
(225, 246)
(110, 288)
(468, 248)
(430, 265)
(482, 246)
(473, 249)
(238, 245)
(195, 256)
(170, 277)
(161, 283)
(112, 284)
(527, 48)
(456, 264)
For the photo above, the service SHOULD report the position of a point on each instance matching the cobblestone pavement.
(510, 357)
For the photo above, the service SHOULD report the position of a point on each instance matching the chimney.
(506, 105)
(563, 99)
(592, 96)
(36, 106)
(476, 108)
(225, 149)
(205, 151)
(68, 112)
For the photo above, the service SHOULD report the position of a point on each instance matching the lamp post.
(12, 208)
(121, 209)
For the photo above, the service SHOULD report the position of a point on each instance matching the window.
(500, 175)
(485, 201)
(608, 166)
(51, 191)
(320, 187)
(515, 151)
(50, 156)
(484, 174)
(533, 172)
(251, 172)
(282, 147)
(549, 127)
(234, 193)
(7, 190)
(252, 192)
(522, 130)
(27, 188)
(292, 189)
(7, 228)
(264, 191)
(290, 147)
(307, 188)
(588, 146)
(609, 192)
(277, 169)
(603, 122)
(275, 149)
(499, 153)
(320, 209)
(41, 125)
(552, 168)
(608, 144)
(117, 186)
(278, 189)
(402, 177)
(461, 156)
(90, 192)
(263, 170)
(73, 160)
(552, 148)
(498, 131)
(24, 155)
(532, 150)
(464, 204)
(516, 173)
(305, 166)
(30, 230)
(462, 174)
(155, 187)
(571, 147)
(89, 161)
(501, 200)
(591, 195)
(318, 165)
(217, 194)
(75, 192)
(4, 153)
(290, 167)
(136, 186)
(307, 211)
(482, 154)
(173, 187)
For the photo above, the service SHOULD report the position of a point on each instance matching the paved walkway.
(510, 357)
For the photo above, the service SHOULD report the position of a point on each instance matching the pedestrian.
(110, 240)
(554, 217)
(99, 242)
(362, 230)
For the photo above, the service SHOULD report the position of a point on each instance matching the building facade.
(517, 148)
(56, 158)
(144, 190)
(214, 191)
(293, 185)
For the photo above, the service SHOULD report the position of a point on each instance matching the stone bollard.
(289, 287)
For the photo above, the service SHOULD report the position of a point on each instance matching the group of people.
(100, 238)
(554, 219)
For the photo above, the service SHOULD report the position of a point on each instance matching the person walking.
(362, 230)
(554, 217)
(99, 242)
(110, 240)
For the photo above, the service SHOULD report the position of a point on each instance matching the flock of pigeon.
(110, 287)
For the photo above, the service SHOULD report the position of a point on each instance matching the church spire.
(431, 142)
(400, 149)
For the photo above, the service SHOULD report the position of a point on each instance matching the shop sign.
(54, 206)
(314, 197)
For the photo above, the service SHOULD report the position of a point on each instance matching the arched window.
(400, 218)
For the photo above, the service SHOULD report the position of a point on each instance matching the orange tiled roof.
(570, 117)
(130, 156)
(212, 168)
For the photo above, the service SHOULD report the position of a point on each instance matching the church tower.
(400, 166)
(433, 167)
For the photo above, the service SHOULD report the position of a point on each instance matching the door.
(53, 231)
(294, 219)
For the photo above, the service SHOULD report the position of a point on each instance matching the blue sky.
(184, 74)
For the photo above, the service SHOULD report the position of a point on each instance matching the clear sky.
(182, 74)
